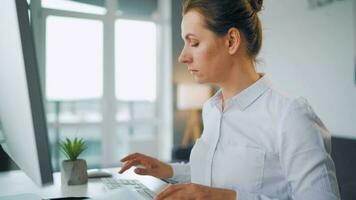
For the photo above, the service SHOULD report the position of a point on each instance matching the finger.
(169, 190)
(142, 171)
(143, 164)
(131, 156)
(128, 165)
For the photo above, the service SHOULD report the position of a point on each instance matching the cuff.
(181, 173)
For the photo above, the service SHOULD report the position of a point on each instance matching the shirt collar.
(247, 96)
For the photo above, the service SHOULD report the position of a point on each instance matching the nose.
(184, 57)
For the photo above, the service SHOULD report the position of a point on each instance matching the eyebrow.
(188, 35)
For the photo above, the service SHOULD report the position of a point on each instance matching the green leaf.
(72, 148)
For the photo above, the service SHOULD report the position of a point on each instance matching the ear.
(233, 40)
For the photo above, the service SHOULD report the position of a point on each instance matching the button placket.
(214, 142)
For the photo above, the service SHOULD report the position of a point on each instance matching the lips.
(192, 70)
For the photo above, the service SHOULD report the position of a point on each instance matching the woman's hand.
(148, 166)
(191, 191)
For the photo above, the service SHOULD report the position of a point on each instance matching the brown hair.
(221, 15)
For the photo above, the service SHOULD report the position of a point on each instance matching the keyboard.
(114, 183)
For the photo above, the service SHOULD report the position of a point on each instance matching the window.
(135, 60)
(74, 65)
(110, 101)
(74, 55)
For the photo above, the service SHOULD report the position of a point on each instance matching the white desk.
(16, 182)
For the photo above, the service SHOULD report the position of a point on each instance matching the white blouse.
(263, 145)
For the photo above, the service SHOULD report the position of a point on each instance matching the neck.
(241, 76)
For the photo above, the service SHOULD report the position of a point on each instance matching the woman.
(256, 143)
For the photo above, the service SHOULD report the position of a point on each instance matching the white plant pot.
(74, 172)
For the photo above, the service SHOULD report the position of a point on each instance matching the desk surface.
(16, 182)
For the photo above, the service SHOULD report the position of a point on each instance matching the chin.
(200, 80)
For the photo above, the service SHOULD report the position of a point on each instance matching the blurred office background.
(110, 73)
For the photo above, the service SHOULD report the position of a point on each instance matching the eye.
(194, 44)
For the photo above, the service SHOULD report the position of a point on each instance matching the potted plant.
(73, 170)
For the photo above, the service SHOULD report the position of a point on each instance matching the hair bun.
(256, 5)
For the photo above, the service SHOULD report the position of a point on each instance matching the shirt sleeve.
(305, 159)
(181, 172)
(244, 195)
(305, 148)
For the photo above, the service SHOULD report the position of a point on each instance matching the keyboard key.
(114, 183)
(144, 194)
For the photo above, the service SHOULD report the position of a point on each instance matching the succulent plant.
(72, 148)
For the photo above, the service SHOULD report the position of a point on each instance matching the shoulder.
(300, 125)
(277, 102)
(299, 111)
(287, 105)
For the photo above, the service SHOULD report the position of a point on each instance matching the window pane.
(135, 60)
(122, 137)
(54, 151)
(124, 112)
(74, 58)
(2, 137)
(87, 6)
(144, 111)
(74, 111)
(144, 131)
(137, 8)
(136, 138)
(143, 139)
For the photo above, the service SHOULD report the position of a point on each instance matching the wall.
(310, 52)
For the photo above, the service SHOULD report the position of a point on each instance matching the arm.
(305, 154)
(304, 146)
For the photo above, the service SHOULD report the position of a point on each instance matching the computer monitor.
(22, 113)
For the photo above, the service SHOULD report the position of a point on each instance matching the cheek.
(205, 57)
(211, 61)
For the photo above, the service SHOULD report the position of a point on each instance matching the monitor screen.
(22, 115)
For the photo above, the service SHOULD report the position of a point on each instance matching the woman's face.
(205, 54)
